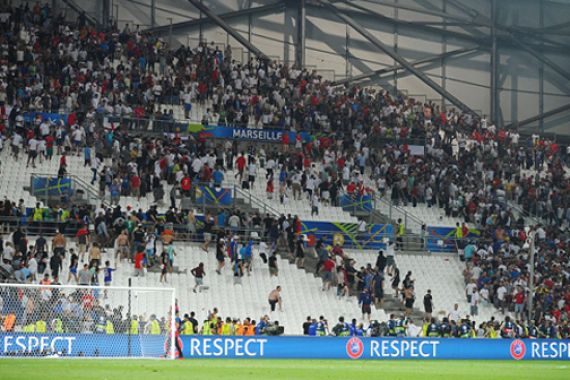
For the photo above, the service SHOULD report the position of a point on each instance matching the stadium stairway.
(302, 293)
(440, 272)
(300, 207)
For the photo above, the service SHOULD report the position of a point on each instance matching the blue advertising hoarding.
(288, 347)
(216, 196)
(54, 117)
(284, 347)
(46, 186)
(88, 345)
(348, 234)
(361, 203)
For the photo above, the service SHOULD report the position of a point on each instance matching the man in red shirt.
(136, 186)
(240, 165)
(82, 241)
(139, 267)
(328, 268)
(519, 303)
(185, 185)
(49, 146)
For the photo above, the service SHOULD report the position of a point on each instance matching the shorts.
(33, 154)
(187, 107)
(273, 271)
(328, 276)
(207, 237)
(366, 309)
(272, 304)
(199, 281)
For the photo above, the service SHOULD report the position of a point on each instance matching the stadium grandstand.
(175, 170)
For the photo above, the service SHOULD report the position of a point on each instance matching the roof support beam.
(395, 56)
(301, 31)
(164, 29)
(545, 115)
(419, 62)
(79, 11)
(538, 55)
(222, 24)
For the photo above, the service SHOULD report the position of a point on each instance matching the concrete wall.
(467, 77)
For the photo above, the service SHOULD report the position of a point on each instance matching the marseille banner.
(211, 195)
(84, 345)
(43, 186)
(285, 347)
(246, 134)
(347, 234)
(362, 203)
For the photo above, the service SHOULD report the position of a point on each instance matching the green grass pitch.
(221, 369)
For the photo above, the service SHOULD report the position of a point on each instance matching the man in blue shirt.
(218, 177)
(469, 250)
(365, 300)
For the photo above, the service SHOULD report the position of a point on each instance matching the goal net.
(86, 321)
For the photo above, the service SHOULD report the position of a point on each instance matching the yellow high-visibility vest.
(109, 328)
(154, 328)
(227, 329)
(188, 328)
(58, 326)
(134, 327)
(41, 326)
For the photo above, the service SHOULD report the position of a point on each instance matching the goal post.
(87, 321)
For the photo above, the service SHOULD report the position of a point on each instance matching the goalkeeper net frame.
(87, 321)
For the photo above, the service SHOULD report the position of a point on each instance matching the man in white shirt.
(469, 289)
(501, 292)
(454, 315)
(32, 152)
(474, 303)
(16, 145)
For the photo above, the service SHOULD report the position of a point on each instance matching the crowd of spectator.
(470, 168)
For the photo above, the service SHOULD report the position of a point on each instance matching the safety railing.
(51, 188)
(393, 212)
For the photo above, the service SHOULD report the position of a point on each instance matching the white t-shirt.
(501, 293)
(33, 144)
(454, 315)
(17, 140)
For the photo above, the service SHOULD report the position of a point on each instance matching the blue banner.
(360, 203)
(347, 234)
(211, 195)
(246, 134)
(285, 347)
(87, 345)
(29, 117)
(43, 186)
(442, 239)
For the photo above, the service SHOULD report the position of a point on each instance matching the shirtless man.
(122, 247)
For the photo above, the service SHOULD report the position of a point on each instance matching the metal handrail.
(396, 212)
(83, 185)
(253, 201)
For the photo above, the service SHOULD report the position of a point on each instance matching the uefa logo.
(518, 349)
(354, 348)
